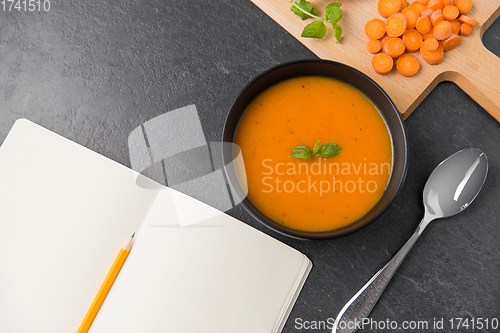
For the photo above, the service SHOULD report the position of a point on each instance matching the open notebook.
(65, 211)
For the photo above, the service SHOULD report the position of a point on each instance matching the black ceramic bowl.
(346, 74)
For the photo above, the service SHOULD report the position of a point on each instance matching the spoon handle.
(356, 311)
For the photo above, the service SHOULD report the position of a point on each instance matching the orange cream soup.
(319, 194)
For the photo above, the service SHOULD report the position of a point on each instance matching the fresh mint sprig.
(326, 150)
(317, 28)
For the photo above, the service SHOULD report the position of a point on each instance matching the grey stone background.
(95, 70)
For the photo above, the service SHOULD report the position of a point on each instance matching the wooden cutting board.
(471, 66)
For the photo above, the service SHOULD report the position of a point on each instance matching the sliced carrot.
(435, 4)
(424, 25)
(396, 25)
(418, 6)
(450, 12)
(428, 35)
(465, 29)
(404, 4)
(432, 57)
(463, 6)
(431, 44)
(442, 30)
(467, 19)
(437, 17)
(375, 29)
(455, 26)
(412, 40)
(407, 64)
(394, 47)
(374, 46)
(451, 42)
(382, 63)
(384, 40)
(388, 7)
(431, 26)
(411, 15)
(428, 12)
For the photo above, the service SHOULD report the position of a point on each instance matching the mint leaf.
(316, 29)
(333, 13)
(316, 147)
(306, 6)
(328, 149)
(303, 152)
(337, 31)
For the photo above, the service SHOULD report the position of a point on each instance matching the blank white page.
(216, 276)
(65, 211)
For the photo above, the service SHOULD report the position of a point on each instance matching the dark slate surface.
(95, 70)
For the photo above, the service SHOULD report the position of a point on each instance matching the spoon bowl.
(451, 188)
(455, 183)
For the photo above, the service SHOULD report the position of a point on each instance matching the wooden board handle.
(482, 80)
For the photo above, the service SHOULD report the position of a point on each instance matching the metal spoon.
(451, 187)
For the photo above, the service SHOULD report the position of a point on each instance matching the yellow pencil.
(106, 285)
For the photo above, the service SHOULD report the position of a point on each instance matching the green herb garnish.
(316, 147)
(326, 150)
(303, 152)
(317, 29)
(303, 8)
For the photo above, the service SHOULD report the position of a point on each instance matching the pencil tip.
(133, 235)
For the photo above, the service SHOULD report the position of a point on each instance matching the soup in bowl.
(323, 146)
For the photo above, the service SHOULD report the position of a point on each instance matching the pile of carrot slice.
(431, 26)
